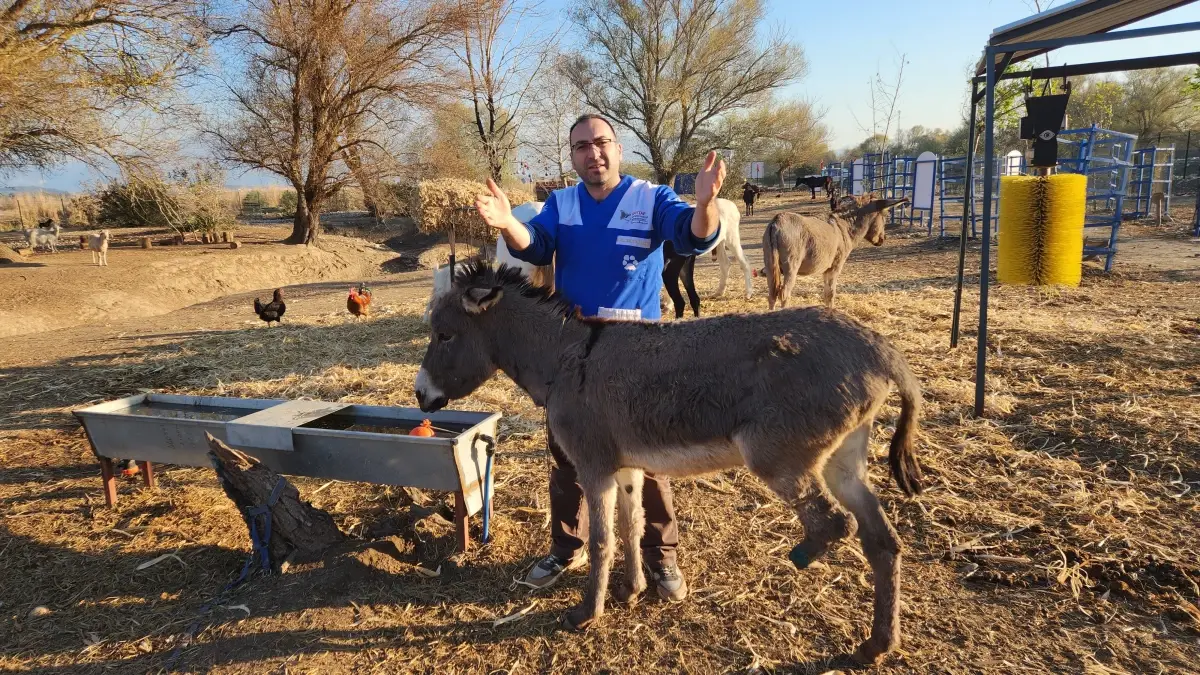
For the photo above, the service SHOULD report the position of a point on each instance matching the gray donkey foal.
(795, 245)
(791, 395)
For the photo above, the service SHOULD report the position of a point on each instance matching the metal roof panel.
(1077, 18)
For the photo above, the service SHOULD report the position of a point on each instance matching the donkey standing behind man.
(797, 246)
(791, 395)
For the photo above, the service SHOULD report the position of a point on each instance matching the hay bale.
(235, 244)
(439, 254)
(437, 205)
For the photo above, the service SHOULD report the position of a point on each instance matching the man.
(605, 237)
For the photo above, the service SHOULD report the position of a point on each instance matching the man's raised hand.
(494, 208)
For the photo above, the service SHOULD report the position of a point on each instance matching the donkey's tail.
(771, 258)
(901, 456)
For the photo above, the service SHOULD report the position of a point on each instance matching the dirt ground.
(48, 291)
(1057, 534)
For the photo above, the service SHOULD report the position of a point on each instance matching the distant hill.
(22, 189)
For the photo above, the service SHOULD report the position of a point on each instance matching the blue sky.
(847, 41)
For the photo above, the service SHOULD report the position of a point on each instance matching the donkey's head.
(464, 323)
(868, 218)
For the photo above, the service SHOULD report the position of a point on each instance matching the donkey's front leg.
(631, 522)
(600, 491)
(831, 277)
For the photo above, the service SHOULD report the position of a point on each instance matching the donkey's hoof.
(870, 652)
(579, 619)
(628, 594)
(805, 554)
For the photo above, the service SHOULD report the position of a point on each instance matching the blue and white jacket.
(609, 253)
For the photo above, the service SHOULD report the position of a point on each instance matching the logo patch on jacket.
(639, 218)
(630, 263)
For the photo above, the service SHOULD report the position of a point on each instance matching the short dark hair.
(592, 116)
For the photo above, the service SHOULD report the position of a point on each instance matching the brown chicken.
(359, 302)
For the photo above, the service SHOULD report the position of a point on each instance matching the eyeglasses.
(600, 144)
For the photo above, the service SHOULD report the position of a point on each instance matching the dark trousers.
(568, 514)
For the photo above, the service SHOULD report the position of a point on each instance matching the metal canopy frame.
(998, 54)
(1076, 19)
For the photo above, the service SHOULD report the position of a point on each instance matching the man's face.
(595, 153)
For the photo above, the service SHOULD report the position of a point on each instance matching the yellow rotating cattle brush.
(1041, 229)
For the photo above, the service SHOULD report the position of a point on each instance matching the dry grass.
(27, 209)
(1056, 535)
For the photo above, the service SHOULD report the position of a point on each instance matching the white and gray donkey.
(791, 395)
(731, 247)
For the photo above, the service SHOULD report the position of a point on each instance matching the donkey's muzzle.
(432, 405)
(429, 397)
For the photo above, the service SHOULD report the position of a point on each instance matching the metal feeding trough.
(341, 441)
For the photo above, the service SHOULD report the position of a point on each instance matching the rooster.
(272, 311)
(359, 302)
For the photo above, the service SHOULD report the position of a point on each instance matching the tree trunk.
(299, 531)
(366, 183)
(307, 224)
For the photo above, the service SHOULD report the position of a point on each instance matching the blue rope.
(487, 486)
(259, 546)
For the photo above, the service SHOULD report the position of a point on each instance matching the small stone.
(39, 611)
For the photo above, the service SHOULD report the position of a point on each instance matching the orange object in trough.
(426, 429)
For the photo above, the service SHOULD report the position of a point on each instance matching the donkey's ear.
(885, 204)
(479, 300)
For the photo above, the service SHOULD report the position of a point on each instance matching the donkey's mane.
(479, 272)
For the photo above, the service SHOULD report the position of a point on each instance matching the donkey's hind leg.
(790, 271)
(670, 276)
(846, 475)
(631, 523)
(600, 492)
(735, 246)
(803, 488)
(722, 252)
(689, 284)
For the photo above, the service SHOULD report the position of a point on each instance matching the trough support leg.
(148, 474)
(462, 534)
(109, 476)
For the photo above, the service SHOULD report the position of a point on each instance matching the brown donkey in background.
(791, 395)
(797, 246)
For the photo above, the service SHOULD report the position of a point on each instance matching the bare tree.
(546, 133)
(72, 71)
(502, 70)
(786, 134)
(664, 69)
(328, 87)
(885, 94)
(444, 145)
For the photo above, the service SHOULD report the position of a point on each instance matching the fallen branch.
(298, 531)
